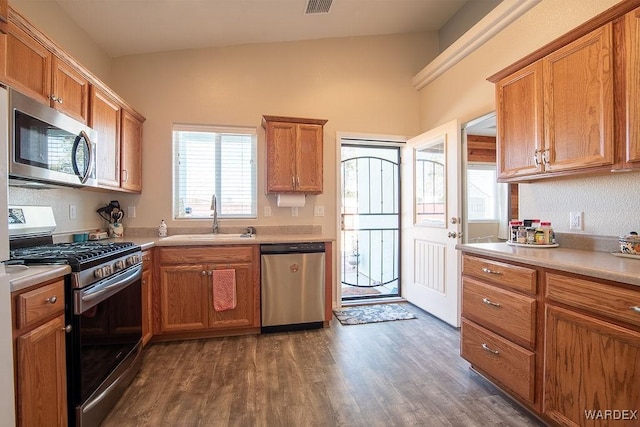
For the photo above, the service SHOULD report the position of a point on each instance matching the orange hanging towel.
(224, 290)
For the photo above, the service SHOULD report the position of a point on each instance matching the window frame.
(218, 131)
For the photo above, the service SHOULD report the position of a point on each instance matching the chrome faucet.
(214, 208)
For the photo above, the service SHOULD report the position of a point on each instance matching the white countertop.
(601, 265)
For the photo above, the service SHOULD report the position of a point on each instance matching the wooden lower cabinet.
(591, 370)
(186, 297)
(40, 356)
(569, 351)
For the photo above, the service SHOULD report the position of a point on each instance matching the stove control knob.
(120, 264)
(107, 270)
(98, 273)
(133, 260)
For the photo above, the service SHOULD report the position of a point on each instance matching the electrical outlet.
(267, 211)
(72, 212)
(294, 211)
(576, 220)
(131, 211)
(318, 211)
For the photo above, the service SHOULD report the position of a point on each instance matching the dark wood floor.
(403, 373)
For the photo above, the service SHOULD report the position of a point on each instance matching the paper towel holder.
(289, 200)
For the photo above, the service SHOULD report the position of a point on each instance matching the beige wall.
(357, 84)
(610, 203)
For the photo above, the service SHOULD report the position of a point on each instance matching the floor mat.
(361, 314)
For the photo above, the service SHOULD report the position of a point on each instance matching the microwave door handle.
(74, 157)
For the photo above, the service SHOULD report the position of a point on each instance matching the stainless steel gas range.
(103, 317)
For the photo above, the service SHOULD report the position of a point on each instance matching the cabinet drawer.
(509, 364)
(202, 255)
(513, 276)
(600, 298)
(509, 314)
(39, 303)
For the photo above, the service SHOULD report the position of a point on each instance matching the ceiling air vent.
(318, 6)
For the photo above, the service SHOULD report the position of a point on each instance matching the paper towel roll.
(291, 200)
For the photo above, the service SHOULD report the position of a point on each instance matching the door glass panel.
(431, 190)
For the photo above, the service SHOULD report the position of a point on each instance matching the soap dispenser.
(162, 229)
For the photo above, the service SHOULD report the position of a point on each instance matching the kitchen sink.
(209, 237)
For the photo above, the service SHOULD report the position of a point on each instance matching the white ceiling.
(126, 27)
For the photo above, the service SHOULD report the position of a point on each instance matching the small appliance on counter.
(113, 215)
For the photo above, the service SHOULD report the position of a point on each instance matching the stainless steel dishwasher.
(292, 286)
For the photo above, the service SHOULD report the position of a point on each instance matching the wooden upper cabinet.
(27, 65)
(70, 91)
(105, 120)
(520, 124)
(33, 70)
(578, 94)
(294, 154)
(556, 115)
(632, 77)
(131, 152)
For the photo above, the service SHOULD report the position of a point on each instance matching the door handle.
(452, 235)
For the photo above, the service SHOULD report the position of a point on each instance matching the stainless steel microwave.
(48, 146)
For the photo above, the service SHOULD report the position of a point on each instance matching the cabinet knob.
(209, 273)
(67, 329)
(297, 181)
(53, 98)
(293, 181)
(52, 300)
(635, 308)
(536, 160)
(203, 273)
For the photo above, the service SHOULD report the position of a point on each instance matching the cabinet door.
(578, 86)
(309, 159)
(632, 46)
(184, 298)
(131, 178)
(281, 157)
(519, 122)
(105, 120)
(70, 91)
(590, 366)
(41, 375)
(246, 313)
(27, 65)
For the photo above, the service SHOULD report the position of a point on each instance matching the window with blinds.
(212, 160)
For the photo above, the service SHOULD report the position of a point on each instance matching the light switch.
(318, 211)
(267, 211)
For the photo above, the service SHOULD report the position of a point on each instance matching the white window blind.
(212, 160)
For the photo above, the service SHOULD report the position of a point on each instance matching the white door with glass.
(431, 202)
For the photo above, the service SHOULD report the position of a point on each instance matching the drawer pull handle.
(489, 302)
(489, 271)
(635, 308)
(52, 300)
(485, 347)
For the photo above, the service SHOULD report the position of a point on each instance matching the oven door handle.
(88, 298)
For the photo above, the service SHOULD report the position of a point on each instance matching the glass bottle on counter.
(521, 235)
(549, 235)
(513, 230)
